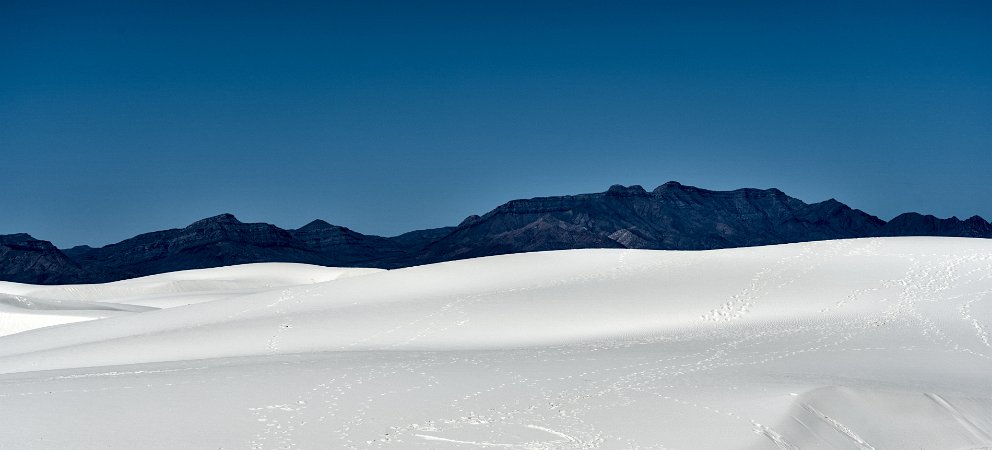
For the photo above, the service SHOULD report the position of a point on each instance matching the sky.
(118, 118)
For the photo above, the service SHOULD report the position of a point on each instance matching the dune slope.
(862, 343)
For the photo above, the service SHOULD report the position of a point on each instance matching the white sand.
(865, 343)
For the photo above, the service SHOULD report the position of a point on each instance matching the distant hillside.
(672, 216)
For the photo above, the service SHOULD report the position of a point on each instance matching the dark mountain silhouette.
(340, 246)
(25, 259)
(913, 224)
(672, 216)
(216, 241)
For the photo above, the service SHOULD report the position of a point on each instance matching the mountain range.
(670, 217)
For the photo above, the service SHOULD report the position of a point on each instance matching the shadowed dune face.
(843, 417)
(863, 343)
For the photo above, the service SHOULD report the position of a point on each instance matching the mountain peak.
(619, 190)
(670, 187)
(316, 224)
(470, 220)
(16, 238)
(976, 219)
(220, 219)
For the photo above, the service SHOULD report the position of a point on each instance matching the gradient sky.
(120, 118)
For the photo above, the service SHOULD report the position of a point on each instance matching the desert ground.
(864, 344)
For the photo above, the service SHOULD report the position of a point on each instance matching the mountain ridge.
(672, 216)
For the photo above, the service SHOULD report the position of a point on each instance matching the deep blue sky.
(119, 118)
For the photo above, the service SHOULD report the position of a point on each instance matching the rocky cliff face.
(224, 240)
(212, 242)
(672, 216)
(25, 259)
(913, 224)
(341, 246)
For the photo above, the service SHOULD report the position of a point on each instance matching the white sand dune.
(865, 343)
(24, 306)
